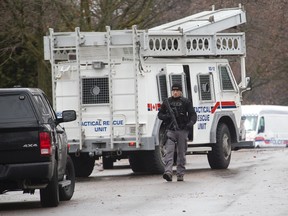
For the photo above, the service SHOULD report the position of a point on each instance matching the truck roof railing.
(206, 22)
(197, 35)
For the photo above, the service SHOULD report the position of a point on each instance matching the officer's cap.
(177, 86)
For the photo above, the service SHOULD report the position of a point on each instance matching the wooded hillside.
(24, 23)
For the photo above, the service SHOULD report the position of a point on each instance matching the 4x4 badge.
(30, 145)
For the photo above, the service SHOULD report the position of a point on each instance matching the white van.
(266, 125)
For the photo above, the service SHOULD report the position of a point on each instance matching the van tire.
(220, 156)
(83, 165)
(66, 193)
(49, 196)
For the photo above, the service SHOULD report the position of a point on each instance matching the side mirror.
(248, 84)
(67, 116)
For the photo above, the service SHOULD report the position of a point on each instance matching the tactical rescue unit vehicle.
(116, 81)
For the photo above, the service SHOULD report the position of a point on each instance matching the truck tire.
(148, 161)
(220, 156)
(137, 162)
(155, 161)
(49, 196)
(66, 192)
(83, 165)
(107, 162)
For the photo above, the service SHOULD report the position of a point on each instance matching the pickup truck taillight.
(45, 143)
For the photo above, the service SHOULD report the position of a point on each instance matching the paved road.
(255, 184)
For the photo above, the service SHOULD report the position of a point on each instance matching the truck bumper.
(41, 170)
(103, 145)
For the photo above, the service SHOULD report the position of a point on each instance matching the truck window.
(188, 81)
(179, 78)
(162, 86)
(226, 80)
(16, 108)
(173, 78)
(206, 89)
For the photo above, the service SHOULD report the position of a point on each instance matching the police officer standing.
(179, 116)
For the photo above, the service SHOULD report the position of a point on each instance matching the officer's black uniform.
(186, 117)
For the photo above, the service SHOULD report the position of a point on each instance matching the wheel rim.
(67, 176)
(226, 146)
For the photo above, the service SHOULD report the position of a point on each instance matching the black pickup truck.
(33, 146)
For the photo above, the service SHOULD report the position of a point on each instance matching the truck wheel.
(49, 196)
(219, 157)
(66, 192)
(107, 162)
(155, 160)
(150, 161)
(83, 165)
(137, 162)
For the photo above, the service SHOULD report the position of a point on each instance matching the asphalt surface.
(255, 184)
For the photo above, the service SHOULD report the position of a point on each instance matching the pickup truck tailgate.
(20, 144)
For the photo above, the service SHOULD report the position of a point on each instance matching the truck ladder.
(113, 79)
(58, 69)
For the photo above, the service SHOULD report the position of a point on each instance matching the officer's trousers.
(176, 139)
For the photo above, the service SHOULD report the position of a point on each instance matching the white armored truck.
(116, 81)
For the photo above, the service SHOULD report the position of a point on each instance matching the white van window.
(250, 123)
(261, 127)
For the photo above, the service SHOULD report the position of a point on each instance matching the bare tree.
(24, 23)
(121, 14)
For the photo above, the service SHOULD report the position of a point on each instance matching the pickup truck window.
(15, 108)
(49, 106)
(42, 108)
